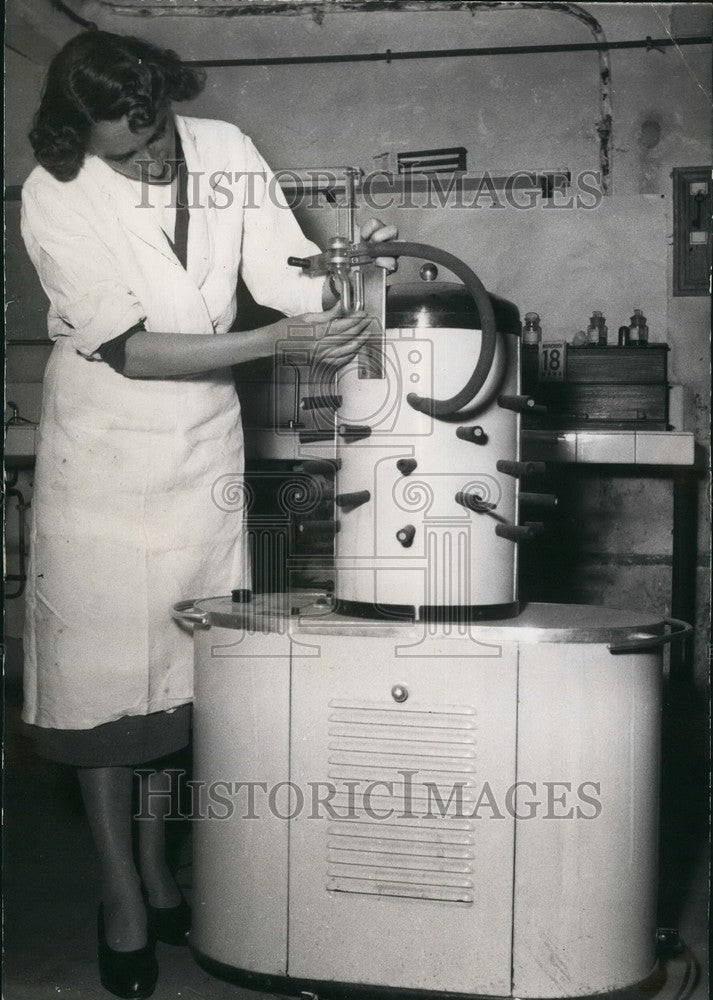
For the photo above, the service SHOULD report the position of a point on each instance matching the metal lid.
(312, 613)
(444, 304)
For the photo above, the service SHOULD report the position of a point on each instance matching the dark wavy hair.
(99, 76)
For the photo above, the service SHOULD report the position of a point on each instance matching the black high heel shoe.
(128, 974)
(170, 924)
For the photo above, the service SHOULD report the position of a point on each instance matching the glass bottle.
(597, 330)
(638, 330)
(531, 330)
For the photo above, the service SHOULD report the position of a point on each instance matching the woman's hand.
(374, 231)
(337, 337)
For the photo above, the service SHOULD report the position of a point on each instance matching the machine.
(411, 782)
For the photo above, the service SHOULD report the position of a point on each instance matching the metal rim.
(312, 613)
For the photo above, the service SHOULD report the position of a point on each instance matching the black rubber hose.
(447, 407)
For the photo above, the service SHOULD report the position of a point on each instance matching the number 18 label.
(552, 365)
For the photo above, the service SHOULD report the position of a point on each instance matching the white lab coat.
(137, 485)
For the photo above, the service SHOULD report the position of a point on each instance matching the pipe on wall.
(391, 55)
(63, 8)
(600, 45)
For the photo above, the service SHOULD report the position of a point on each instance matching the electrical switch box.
(691, 230)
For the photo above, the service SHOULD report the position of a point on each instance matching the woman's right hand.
(337, 338)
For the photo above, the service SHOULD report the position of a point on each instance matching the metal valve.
(406, 535)
(354, 432)
(474, 501)
(316, 435)
(344, 257)
(319, 466)
(539, 499)
(320, 402)
(520, 404)
(350, 501)
(428, 272)
(519, 532)
(475, 434)
(520, 468)
(320, 529)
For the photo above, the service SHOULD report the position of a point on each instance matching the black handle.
(406, 466)
(320, 402)
(539, 499)
(313, 436)
(644, 640)
(320, 530)
(304, 262)
(518, 532)
(520, 404)
(476, 435)
(354, 432)
(319, 466)
(474, 501)
(520, 468)
(406, 535)
(350, 501)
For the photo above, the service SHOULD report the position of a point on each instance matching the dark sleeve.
(114, 351)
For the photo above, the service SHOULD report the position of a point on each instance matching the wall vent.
(433, 161)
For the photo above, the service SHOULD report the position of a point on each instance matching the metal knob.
(519, 532)
(319, 466)
(406, 466)
(429, 272)
(538, 499)
(520, 404)
(320, 402)
(474, 434)
(399, 692)
(406, 535)
(520, 468)
(350, 501)
(319, 530)
(474, 501)
(316, 435)
(354, 432)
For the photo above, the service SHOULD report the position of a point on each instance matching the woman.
(139, 420)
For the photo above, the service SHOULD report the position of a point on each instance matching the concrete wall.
(511, 113)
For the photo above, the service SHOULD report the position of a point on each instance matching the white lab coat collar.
(143, 223)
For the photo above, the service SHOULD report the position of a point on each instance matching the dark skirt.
(133, 739)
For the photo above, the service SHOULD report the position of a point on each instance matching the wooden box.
(615, 387)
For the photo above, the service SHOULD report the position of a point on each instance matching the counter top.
(609, 447)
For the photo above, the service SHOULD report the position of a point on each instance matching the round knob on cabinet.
(399, 692)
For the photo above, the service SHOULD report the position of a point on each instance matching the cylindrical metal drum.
(419, 497)
(465, 808)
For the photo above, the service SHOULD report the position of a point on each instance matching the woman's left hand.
(374, 231)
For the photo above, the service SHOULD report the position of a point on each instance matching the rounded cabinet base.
(465, 808)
